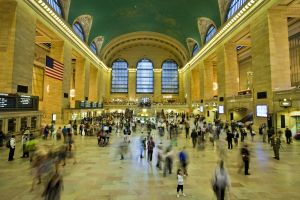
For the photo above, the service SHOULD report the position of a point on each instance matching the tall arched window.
(56, 6)
(234, 6)
(119, 76)
(211, 31)
(79, 30)
(169, 77)
(144, 76)
(93, 47)
(195, 49)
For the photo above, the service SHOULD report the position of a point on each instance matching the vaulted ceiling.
(175, 18)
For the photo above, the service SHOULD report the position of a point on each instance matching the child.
(179, 182)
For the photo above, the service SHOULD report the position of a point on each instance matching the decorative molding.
(190, 42)
(98, 41)
(66, 7)
(144, 38)
(86, 22)
(223, 7)
(203, 24)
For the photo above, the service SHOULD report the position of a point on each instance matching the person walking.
(25, 139)
(179, 183)
(187, 129)
(220, 181)
(150, 147)
(245, 153)
(194, 136)
(12, 147)
(183, 159)
(288, 135)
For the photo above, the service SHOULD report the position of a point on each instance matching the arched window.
(119, 76)
(169, 77)
(211, 31)
(79, 30)
(195, 49)
(56, 6)
(93, 47)
(234, 6)
(144, 76)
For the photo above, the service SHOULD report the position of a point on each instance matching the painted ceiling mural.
(175, 18)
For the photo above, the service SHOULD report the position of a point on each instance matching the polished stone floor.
(100, 174)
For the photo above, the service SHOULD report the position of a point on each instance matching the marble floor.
(100, 174)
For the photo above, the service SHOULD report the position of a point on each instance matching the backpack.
(8, 144)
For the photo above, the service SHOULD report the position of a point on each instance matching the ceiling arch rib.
(203, 24)
(223, 7)
(66, 8)
(191, 44)
(86, 22)
(145, 39)
(98, 42)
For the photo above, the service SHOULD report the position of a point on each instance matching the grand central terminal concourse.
(149, 99)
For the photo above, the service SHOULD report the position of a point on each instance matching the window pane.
(195, 49)
(235, 5)
(210, 33)
(79, 30)
(169, 81)
(144, 77)
(119, 77)
(93, 47)
(56, 6)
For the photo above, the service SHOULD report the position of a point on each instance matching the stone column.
(195, 84)
(157, 86)
(93, 86)
(132, 84)
(187, 87)
(80, 79)
(208, 79)
(17, 36)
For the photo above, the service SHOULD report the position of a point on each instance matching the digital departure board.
(87, 105)
(14, 102)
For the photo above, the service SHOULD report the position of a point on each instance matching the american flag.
(54, 68)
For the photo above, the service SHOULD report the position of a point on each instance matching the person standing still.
(12, 147)
(229, 139)
(179, 183)
(246, 158)
(288, 135)
(150, 146)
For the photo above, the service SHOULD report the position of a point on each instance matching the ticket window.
(33, 122)
(11, 126)
(23, 123)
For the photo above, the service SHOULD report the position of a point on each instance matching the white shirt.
(179, 179)
(12, 143)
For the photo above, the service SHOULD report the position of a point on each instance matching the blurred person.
(187, 129)
(276, 144)
(288, 135)
(179, 183)
(264, 134)
(168, 160)
(58, 133)
(24, 141)
(159, 157)
(220, 181)
(12, 147)
(54, 187)
(229, 139)
(123, 148)
(46, 132)
(65, 132)
(31, 146)
(183, 159)
(245, 153)
(271, 132)
(142, 146)
(236, 137)
(150, 147)
(194, 137)
(1, 138)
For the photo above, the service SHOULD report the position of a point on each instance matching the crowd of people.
(47, 161)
